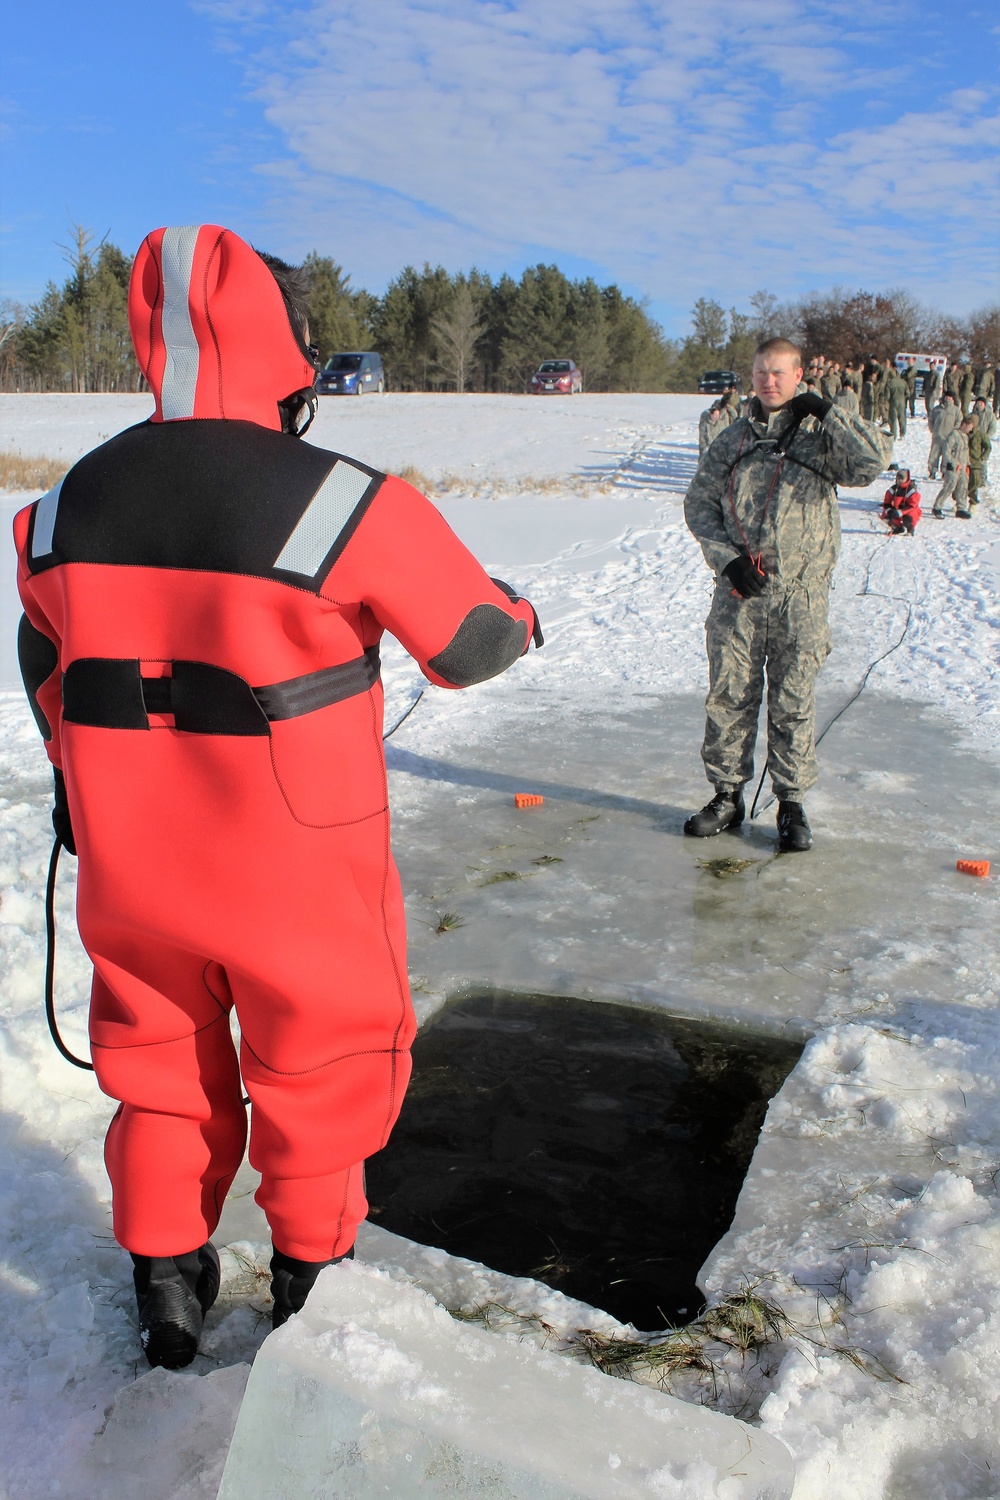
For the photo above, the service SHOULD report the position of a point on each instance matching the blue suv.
(351, 375)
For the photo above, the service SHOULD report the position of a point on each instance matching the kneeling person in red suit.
(204, 597)
(901, 505)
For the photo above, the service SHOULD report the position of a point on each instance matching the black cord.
(50, 960)
(403, 720)
(865, 592)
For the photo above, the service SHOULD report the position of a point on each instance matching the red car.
(556, 377)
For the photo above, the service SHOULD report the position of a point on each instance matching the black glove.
(745, 576)
(60, 813)
(809, 404)
(892, 513)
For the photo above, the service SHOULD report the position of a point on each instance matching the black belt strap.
(110, 693)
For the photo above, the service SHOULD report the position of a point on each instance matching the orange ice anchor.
(980, 867)
(527, 799)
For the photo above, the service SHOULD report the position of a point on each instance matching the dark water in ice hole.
(600, 1148)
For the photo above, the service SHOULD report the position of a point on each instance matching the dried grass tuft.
(20, 471)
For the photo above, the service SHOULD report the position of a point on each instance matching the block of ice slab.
(374, 1390)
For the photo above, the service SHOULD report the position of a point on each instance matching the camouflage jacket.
(956, 450)
(748, 496)
(980, 446)
(986, 383)
(898, 390)
(945, 419)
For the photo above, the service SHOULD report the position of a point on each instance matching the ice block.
(374, 1390)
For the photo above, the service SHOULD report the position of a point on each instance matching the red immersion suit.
(204, 596)
(901, 508)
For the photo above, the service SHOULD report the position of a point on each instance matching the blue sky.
(680, 149)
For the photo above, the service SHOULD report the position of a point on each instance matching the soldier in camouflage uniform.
(955, 459)
(952, 382)
(886, 370)
(898, 394)
(980, 448)
(944, 419)
(867, 399)
(830, 382)
(932, 384)
(909, 374)
(966, 388)
(852, 378)
(847, 397)
(983, 414)
(711, 422)
(763, 506)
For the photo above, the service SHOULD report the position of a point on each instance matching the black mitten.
(745, 577)
(809, 404)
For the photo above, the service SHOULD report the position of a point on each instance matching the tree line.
(438, 331)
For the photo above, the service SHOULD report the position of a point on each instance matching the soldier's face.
(775, 377)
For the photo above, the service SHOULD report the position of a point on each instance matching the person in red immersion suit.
(901, 505)
(204, 597)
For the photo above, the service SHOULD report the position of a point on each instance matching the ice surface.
(167, 1432)
(376, 1390)
(611, 901)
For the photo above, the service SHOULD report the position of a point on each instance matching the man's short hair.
(779, 346)
(293, 283)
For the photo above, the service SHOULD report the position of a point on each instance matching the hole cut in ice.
(599, 1148)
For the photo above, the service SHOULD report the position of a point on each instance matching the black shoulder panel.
(213, 496)
(486, 643)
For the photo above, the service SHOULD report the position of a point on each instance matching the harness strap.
(111, 693)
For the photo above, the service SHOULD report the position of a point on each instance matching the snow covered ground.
(871, 1214)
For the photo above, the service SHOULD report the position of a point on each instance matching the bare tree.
(457, 333)
(709, 321)
(765, 315)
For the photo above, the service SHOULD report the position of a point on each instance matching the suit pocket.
(328, 764)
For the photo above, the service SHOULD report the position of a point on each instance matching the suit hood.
(211, 332)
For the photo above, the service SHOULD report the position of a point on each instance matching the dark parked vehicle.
(714, 382)
(351, 375)
(555, 377)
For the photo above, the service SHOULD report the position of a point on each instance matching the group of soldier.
(961, 408)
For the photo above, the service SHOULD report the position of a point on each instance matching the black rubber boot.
(293, 1280)
(794, 835)
(726, 810)
(173, 1293)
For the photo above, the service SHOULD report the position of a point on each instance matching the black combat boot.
(794, 836)
(173, 1293)
(293, 1280)
(725, 810)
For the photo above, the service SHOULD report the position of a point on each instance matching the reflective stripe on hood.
(210, 328)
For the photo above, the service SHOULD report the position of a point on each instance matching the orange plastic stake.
(527, 799)
(980, 867)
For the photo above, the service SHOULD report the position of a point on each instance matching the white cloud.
(679, 149)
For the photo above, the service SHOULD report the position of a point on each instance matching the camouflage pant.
(934, 457)
(955, 487)
(978, 478)
(786, 634)
(897, 420)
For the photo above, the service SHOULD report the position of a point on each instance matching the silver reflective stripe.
(323, 519)
(180, 377)
(45, 523)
